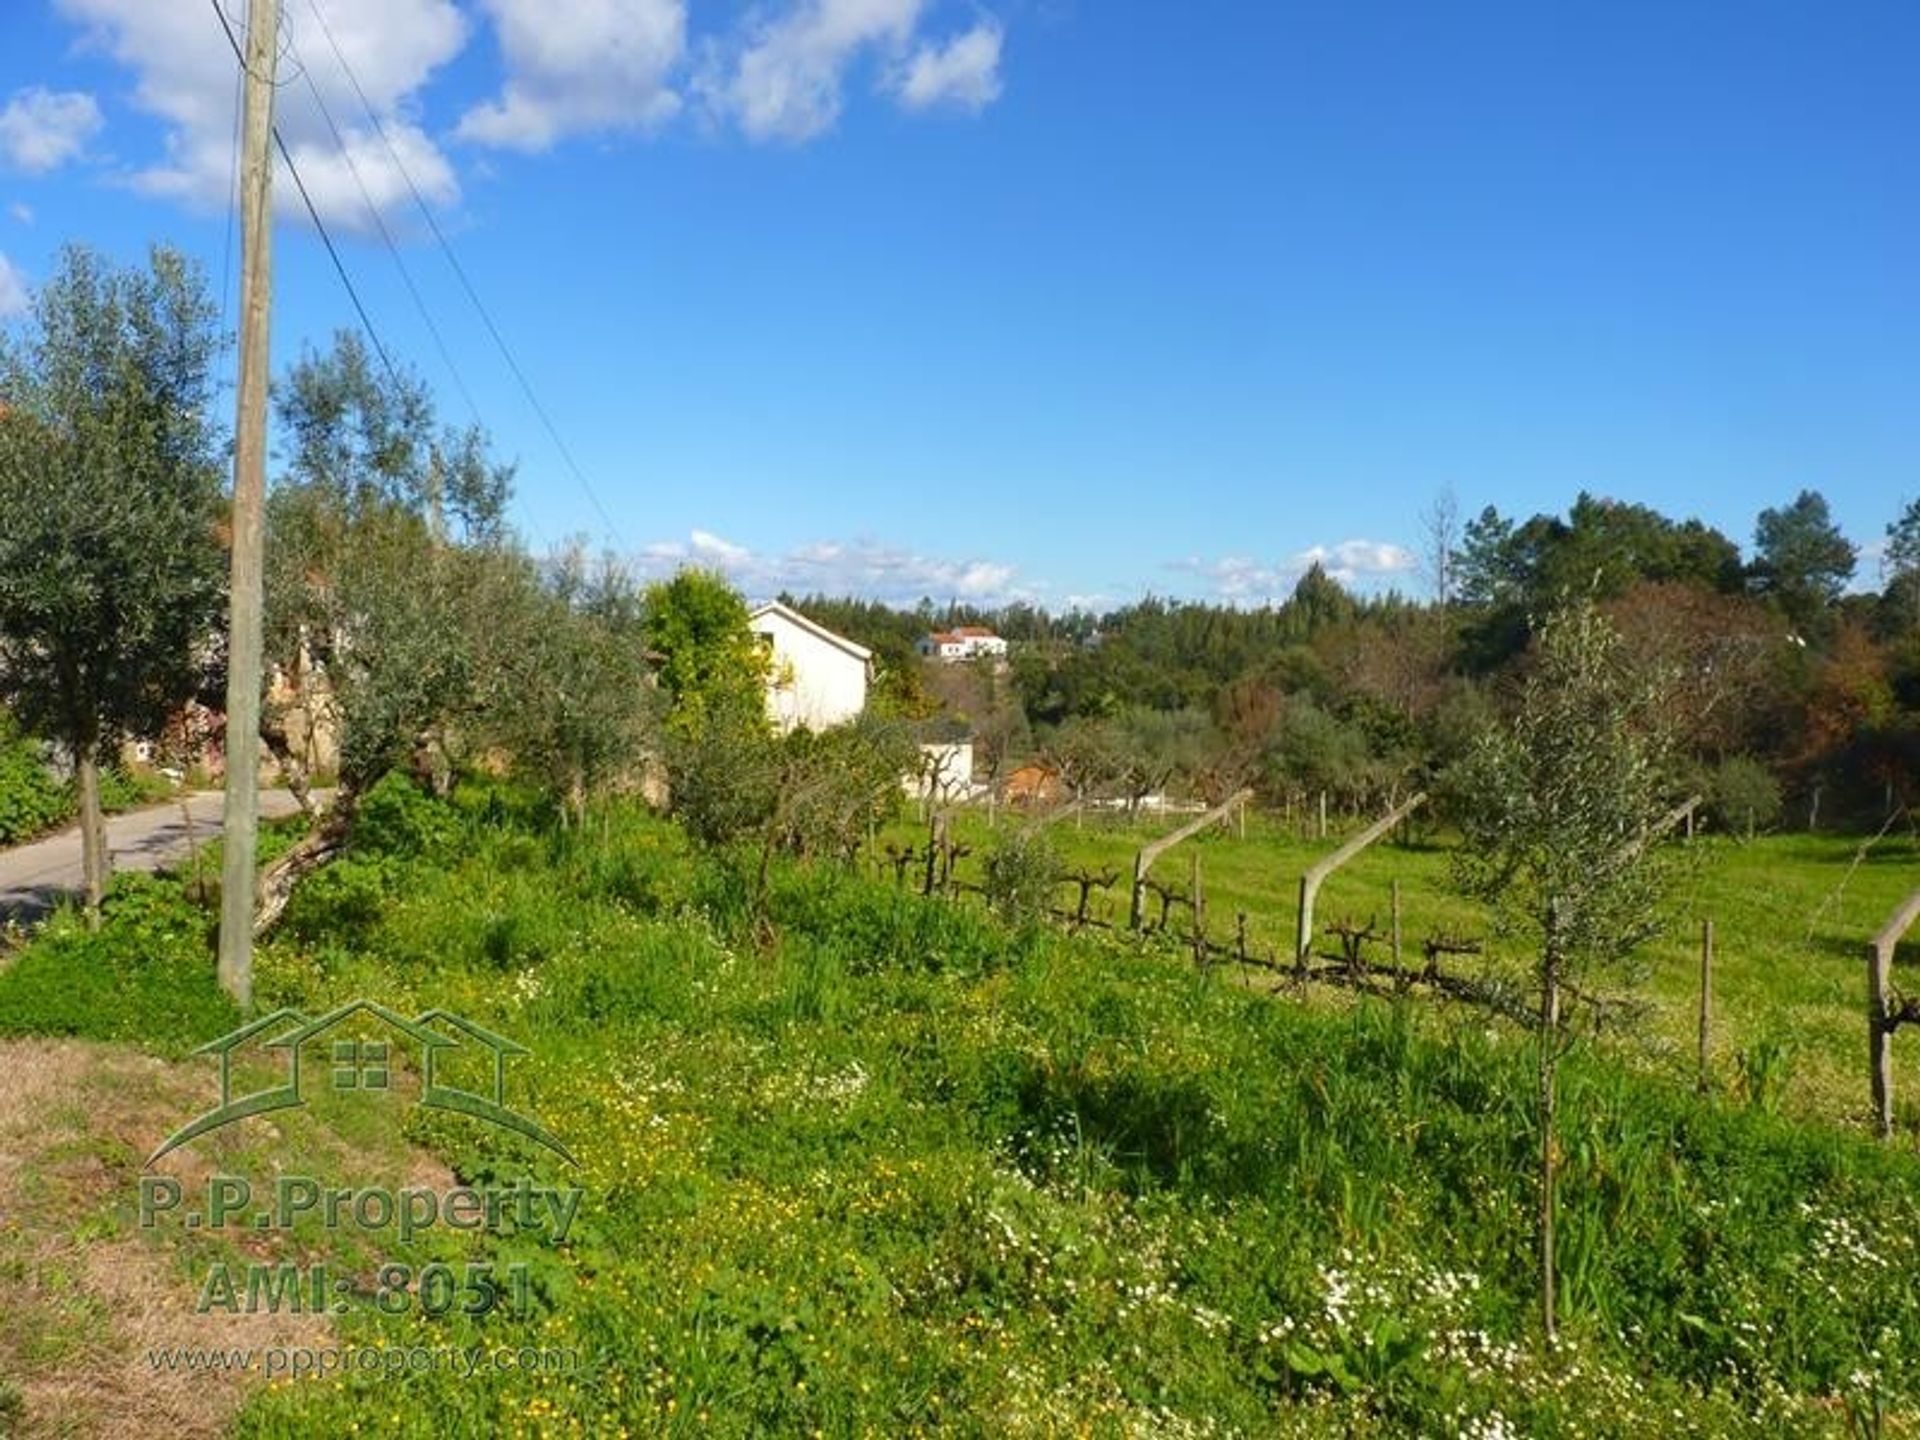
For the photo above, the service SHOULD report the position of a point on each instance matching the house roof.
(233, 1040)
(788, 613)
(963, 632)
(478, 1032)
(294, 1039)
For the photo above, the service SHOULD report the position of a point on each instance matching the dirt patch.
(86, 1297)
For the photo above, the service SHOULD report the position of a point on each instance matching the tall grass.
(879, 1165)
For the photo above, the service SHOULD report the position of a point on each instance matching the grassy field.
(865, 1164)
(1792, 915)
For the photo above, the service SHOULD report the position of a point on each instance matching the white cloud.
(13, 290)
(1872, 570)
(712, 548)
(607, 65)
(585, 67)
(1357, 562)
(1238, 577)
(184, 73)
(1092, 602)
(21, 211)
(41, 130)
(965, 72)
(1354, 563)
(783, 76)
(859, 567)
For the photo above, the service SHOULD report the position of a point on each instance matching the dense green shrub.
(1745, 796)
(124, 789)
(31, 800)
(145, 977)
(396, 817)
(1022, 870)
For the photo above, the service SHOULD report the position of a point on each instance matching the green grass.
(879, 1166)
(1792, 916)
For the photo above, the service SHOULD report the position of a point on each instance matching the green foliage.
(1764, 1069)
(123, 789)
(1745, 796)
(31, 800)
(833, 788)
(711, 665)
(418, 626)
(898, 1152)
(724, 777)
(1557, 810)
(1320, 600)
(1316, 750)
(1902, 564)
(886, 1149)
(1132, 753)
(397, 818)
(1602, 548)
(580, 719)
(1553, 805)
(1022, 871)
(110, 567)
(1801, 559)
(369, 439)
(394, 824)
(144, 977)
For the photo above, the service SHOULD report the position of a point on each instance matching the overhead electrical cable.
(466, 283)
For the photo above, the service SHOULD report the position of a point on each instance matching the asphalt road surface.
(34, 876)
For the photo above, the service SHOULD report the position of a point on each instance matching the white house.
(965, 642)
(818, 679)
(945, 774)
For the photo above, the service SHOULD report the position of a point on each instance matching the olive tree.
(388, 572)
(1558, 807)
(580, 716)
(111, 571)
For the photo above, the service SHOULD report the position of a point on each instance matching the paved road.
(33, 877)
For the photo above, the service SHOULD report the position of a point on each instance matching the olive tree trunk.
(93, 831)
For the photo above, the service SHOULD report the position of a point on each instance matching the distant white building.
(945, 774)
(967, 642)
(818, 679)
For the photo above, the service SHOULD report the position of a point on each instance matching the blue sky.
(1063, 299)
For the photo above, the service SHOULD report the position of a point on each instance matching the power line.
(233, 199)
(386, 236)
(466, 283)
(313, 213)
(393, 249)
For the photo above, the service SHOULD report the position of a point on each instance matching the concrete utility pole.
(244, 639)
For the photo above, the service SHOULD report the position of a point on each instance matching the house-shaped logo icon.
(352, 1062)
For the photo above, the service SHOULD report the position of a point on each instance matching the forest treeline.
(1798, 691)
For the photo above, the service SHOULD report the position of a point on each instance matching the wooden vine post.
(1199, 916)
(1882, 1021)
(1706, 1005)
(1143, 862)
(1683, 811)
(1311, 882)
(1396, 922)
